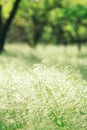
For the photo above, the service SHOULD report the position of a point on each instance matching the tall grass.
(43, 89)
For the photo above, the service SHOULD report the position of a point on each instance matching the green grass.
(43, 89)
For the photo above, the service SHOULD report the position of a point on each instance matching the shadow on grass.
(31, 58)
(8, 54)
(83, 71)
(82, 55)
(83, 68)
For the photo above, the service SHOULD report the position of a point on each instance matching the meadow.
(43, 88)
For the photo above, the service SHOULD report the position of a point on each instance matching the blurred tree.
(5, 27)
(40, 11)
(63, 18)
(73, 16)
(38, 16)
(77, 16)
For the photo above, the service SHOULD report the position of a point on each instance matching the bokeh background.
(43, 64)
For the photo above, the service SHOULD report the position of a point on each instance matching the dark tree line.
(40, 19)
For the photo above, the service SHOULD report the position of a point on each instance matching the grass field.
(43, 88)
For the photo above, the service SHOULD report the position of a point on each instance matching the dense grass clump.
(43, 89)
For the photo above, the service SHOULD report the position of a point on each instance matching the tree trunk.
(77, 35)
(1, 28)
(1, 22)
(6, 26)
(38, 30)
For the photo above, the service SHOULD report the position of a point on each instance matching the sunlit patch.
(50, 94)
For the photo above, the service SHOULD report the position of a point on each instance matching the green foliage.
(76, 12)
(54, 13)
(7, 6)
